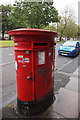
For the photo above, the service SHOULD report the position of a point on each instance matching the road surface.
(64, 67)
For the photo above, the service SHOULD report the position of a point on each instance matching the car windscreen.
(70, 44)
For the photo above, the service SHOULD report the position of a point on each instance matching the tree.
(51, 27)
(63, 23)
(4, 13)
(66, 18)
(71, 30)
(67, 28)
(33, 14)
(78, 32)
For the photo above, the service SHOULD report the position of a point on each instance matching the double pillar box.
(34, 62)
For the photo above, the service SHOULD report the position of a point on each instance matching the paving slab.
(54, 115)
(66, 103)
(49, 113)
(74, 83)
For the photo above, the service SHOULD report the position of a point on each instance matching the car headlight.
(72, 48)
(60, 47)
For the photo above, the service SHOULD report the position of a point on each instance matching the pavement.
(66, 105)
(64, 67)
(66, 81)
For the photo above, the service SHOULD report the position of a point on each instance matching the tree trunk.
(9, 37)
(60, 38)
(3, 35)
(61, 35)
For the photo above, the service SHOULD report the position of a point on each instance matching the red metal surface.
(34, 79)
(43, 74)
(30, 31)
(25, 87)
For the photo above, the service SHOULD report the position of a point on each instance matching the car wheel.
(78, 53)
(74, 55)
(58, 53)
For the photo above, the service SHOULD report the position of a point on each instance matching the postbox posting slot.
(36, 45)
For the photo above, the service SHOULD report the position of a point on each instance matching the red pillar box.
(34, 62)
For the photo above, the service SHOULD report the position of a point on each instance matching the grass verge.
(6, 43)
(60, 42)
(64, 41)
(10, 43)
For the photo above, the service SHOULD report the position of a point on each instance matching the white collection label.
(20, 61)
(20, 56)
(26, 59)
(23, 60)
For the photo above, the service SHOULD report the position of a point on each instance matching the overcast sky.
(60, 5)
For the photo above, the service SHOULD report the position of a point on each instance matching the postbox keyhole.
(30, 76)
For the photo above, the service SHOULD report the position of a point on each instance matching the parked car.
(69, 48)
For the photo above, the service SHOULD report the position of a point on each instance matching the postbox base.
(34, 107)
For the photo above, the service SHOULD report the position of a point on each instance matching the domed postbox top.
(32, 31)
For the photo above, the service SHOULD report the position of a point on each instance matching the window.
(69, 44)
(77, 44)
(41, 58)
